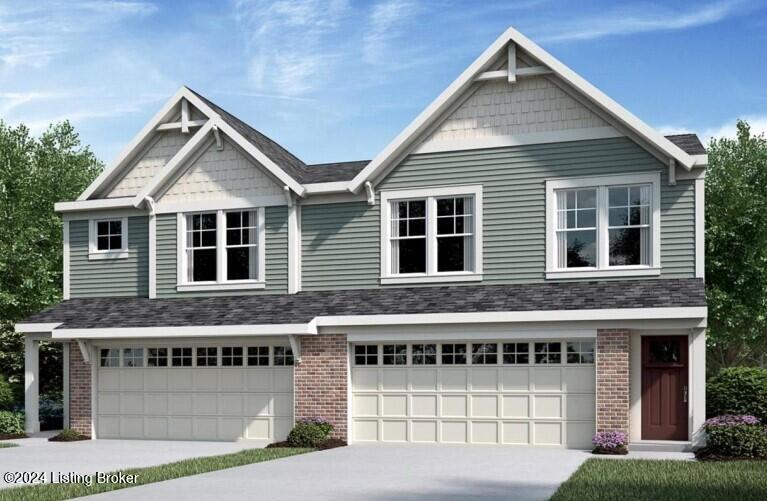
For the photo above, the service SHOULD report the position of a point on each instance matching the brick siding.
(613, 380)
(79, 391)
(321, 381)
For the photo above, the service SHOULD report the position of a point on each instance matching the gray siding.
(110, 277)
(276, 256)
(340, 241)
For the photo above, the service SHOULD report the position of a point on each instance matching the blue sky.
(336, 80)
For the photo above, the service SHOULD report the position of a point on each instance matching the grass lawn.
(148, 475)
(5, 445)
(628, 479)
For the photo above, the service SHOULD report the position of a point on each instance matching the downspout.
(152, 247)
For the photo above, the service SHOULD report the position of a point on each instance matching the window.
(110, 358)
(605, 226)
(431, 235)
(283, 355)
(181, 357)
(108, 238)
(484, 353)
(453, 354)
(548, 353)
(231, 356)
(424, 354)
(133, 357)
(207, 357)
(222, 250)
(157, 357)
(395, 354)
(258, 355)
(366, 354)
(580, 352)
(516, 353)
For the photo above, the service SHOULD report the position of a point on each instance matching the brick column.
(613, 380)
(79, 391)
(321, 381)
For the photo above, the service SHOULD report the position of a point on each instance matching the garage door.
(195, 392)
(515, 392)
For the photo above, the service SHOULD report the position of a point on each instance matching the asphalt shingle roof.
(112, 312)
(689, 143)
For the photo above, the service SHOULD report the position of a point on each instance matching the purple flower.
(730, 420)
(314, 420)
(610, 439)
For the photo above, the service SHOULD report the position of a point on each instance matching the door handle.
(684, 394)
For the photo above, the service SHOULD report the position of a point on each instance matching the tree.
(34, 174)
(736, 249)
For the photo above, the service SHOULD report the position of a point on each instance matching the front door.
(665, 388)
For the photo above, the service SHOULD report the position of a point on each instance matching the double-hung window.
(603, 226)
(432, 235)
(108, 238)
(221, 249)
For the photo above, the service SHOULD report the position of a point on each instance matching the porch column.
(31, 384)
(613, 380)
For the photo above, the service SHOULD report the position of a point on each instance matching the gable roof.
(689, 143)
(408, 138)
(332, 172)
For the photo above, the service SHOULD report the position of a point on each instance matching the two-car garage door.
(522, 393)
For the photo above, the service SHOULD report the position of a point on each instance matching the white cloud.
(638, 19)
(727, 128)
(388, 21)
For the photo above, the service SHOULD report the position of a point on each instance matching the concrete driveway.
(381, 472)
(37, 454)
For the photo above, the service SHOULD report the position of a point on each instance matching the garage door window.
(516, 353)
(580, 352)
(283, 355)
(258, 355)
(366, 354)
(424, 354)
(395, 354)
(133, 357)
(207, 357)
(453, 354)
(157, 357)
(110, 358)
(484, 353)
(548, 353)
(231, 356)
(181, 357)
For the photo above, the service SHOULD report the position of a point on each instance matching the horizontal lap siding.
(110, 277)
(276, 256)
(341, 241)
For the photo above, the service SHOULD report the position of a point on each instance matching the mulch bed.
(330, 443)
(12, 436)
(706, 455)
(619, 451)
(68, 439)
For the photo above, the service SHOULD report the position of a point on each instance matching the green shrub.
(11, 423)
(68, 435)
(6, 395)
(738, 390)
(309, 432)
(736, 436)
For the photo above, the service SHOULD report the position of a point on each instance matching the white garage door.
(523, 393)
(194, 392)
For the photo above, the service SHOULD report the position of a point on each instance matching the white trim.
(431, 275)
(232, 286)
(294, 249)
(152, 255)
(700, 228)
(397, 147)
(102, 203)
(191, 331)
(388, 336)
(222, 204)
(695, 173)
(65, 278)
(517, 140)
(31, 385)
(35, 327)
(178, 125)
(103, 214)
(326, 188)
(94, 253)
(334, 198)
(601, 183)
(697, 385)
(700, 160)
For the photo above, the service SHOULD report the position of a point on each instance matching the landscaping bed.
(68, 435)
(12, 436)
(637, 479)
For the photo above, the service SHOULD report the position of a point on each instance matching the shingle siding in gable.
(110, 277)
(276, 256)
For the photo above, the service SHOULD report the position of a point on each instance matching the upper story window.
(221, 250)
(108, 238)
(431, 235)
(605, 226)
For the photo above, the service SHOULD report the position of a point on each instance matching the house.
(522, 264)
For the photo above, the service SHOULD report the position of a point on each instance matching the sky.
(336, 80)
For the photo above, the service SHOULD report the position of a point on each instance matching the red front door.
(665, 388)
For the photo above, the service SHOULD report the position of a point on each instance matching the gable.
(221, 174)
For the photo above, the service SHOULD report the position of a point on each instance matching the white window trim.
(94, 253)
(602, 270)
(221, 284)
(387, 277)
